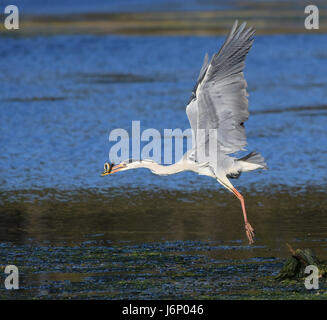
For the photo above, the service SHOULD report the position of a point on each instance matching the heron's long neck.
(163, 170)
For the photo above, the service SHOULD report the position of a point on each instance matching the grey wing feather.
(221, 97)
(202, 73)
(204, 68)
(192, 107)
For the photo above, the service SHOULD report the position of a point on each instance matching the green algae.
(124, 271)
(111, 254)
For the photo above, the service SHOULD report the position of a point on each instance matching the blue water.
(60, 97)
(63, 7)
(86, 6)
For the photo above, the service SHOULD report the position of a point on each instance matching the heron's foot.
(249, 232)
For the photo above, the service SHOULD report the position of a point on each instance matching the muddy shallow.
(157, 244)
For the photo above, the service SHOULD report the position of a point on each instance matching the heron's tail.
(253, 161)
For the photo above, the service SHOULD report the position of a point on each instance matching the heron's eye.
(106, 166)
(242, 124)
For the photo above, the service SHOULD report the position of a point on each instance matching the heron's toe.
(249, 233)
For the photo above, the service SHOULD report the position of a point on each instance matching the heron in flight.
(218, 104)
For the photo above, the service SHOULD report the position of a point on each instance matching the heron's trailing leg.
(248, 228)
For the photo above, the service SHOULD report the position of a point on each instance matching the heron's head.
(125, 165)
(112, 168)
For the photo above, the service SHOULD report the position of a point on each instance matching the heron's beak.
(113, 169)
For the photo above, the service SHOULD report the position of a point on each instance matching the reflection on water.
(141, 216)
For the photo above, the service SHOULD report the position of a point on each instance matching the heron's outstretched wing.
(192, 107)
(220, 97)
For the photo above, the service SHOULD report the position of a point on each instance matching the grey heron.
(218, 103)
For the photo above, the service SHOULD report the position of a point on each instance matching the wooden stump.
(294, 267)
